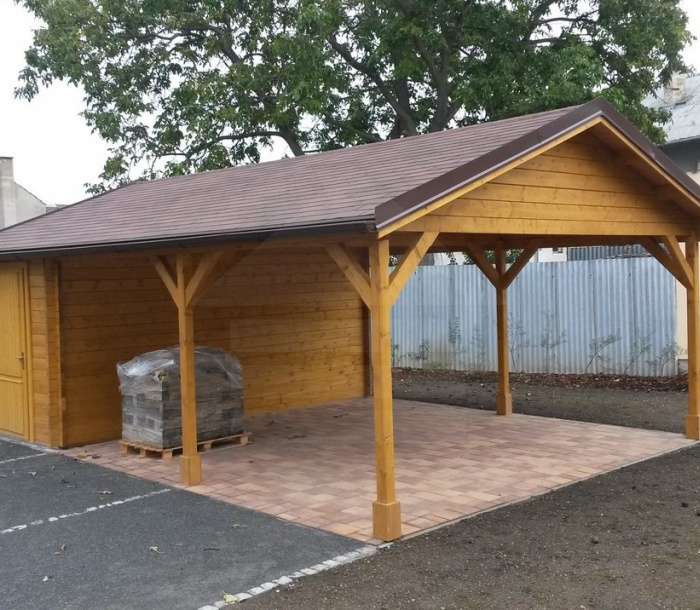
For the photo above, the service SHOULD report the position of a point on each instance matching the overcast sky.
(55, 153)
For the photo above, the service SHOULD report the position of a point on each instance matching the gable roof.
(355, 189)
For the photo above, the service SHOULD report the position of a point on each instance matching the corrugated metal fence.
(612, 316)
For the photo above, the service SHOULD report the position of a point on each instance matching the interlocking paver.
(315, 468)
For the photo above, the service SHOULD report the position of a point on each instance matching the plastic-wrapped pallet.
(150, 388)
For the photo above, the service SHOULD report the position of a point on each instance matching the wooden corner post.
(692, 421)
(386, 510)
(504, 399)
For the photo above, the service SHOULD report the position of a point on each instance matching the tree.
(176, 86)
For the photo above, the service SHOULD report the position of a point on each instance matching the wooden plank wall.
(113, 308)
(576, 188)
(296, 324)
(45, 350)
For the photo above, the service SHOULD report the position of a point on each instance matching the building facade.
(16, 203)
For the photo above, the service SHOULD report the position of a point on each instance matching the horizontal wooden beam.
(528, 227)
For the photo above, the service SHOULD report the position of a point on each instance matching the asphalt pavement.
(75, 535)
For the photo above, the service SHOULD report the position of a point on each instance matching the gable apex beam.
(411, 259)
(353, 271)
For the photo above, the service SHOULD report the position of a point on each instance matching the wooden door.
(14, 407)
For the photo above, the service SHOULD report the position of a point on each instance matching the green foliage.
(176, 86)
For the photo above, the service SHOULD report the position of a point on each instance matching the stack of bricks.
(150, 386)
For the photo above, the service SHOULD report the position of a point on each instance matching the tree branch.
(374, 76)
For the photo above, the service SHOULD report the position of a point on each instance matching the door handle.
(21, 359)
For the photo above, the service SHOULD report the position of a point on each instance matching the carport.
(287, 264)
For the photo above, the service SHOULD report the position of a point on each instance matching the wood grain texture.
(558, 193)
(386, 510)
(692, 422)
(293, 319)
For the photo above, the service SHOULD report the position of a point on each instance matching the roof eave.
(355, 226)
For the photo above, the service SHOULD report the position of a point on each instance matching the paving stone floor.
(315, 465)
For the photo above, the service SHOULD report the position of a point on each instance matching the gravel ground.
(626, 540)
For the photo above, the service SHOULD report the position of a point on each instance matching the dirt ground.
(642, 402)
(626, 540)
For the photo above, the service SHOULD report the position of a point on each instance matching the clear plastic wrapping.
(150, 388)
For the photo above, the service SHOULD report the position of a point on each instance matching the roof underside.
(350, 190)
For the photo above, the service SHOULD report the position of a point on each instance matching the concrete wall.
(16, 203)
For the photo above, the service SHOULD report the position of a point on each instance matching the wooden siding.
(295, 322)
(45, 350)
(576, 188)
(291, 317)
(112, 309)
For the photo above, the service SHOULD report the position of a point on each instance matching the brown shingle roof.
(351, 189)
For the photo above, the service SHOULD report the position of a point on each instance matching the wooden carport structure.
(281, 262)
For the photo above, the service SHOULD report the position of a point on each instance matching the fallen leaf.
(229, 598)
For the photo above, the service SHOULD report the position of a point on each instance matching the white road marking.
(91, 509)
(361, 553)
(23, 457)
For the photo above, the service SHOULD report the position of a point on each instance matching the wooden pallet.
(145, 450)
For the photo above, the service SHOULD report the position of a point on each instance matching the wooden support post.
(190, 461)
(386, 510)
(186, 288)
(504, 399)
(692, 421)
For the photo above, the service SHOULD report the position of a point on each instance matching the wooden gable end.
(579, 187)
